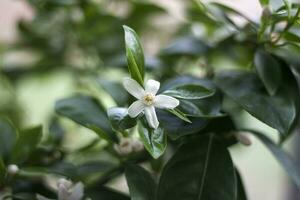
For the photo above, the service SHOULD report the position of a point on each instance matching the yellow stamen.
(148, 99)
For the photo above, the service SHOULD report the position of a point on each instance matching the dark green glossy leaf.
(27, 142)
(8, 137)
(93, 167)
(116, 91)
(268, 70)
(141, 184)
(287, 163)
(179, 114)
(154, 140)
(101, 192)
(291, 37)
(88, 112)
(246, 89)
(204, 171)
(119, 119)
(135, 55)
(189, 91)
(176, 128)
(290, 55)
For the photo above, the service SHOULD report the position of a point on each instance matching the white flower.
(148, 100)
(68, 191)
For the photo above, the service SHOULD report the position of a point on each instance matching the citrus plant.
(165, 121)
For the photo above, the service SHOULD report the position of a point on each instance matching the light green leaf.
(264, 2)
(189, 91)
(27, 142)
(88, 112)
(119, 119)
(154, 140)
(179, 114)
(135, 55)
(268, 70)
(201, 169)
(141, 184)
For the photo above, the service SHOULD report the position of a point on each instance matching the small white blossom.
(148, 100)
(124, 147)
(137, 145)
(128, 145)
(68, 191)
(12, 169)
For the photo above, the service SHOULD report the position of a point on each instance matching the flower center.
(148, 99)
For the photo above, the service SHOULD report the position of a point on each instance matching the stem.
(289, 25)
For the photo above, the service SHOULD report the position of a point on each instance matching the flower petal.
(152, 86)
(133, 88)
(77, 192)
(164, 101)
(151, 117)
(136, 108)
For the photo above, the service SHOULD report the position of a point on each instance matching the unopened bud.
(137, 145)
(12, 169)
(124, 147)
(243, 138)
(266, 13)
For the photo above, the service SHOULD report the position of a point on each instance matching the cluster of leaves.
(215, 66)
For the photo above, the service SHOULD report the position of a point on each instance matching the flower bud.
(243, 138)
(137, 145)
(124, 147)
(68, 191)
(266, 13)
(12, 169)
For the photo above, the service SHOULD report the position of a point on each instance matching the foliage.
(209, 61)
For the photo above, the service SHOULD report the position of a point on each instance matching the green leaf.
(287, 163)
(88, 112)
(141, 184)
(201, 169)
(119, 119)
(135, 55)
(101, 192)
(268, 70)
(264, 2)
(116, 91)
(179, 114)
(154, 140)
(8, 137)
(292, 37)
(245, 88)
(176, 128)
(27, 142)
(189, 91)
